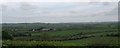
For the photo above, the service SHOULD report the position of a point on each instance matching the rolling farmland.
(64, 34)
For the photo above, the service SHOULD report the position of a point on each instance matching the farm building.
(44, 29)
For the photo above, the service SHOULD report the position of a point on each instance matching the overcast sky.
(55, 12)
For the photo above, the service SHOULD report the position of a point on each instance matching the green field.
(94, 41)
(66, 34)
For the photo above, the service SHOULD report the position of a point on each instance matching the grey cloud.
(74, 12)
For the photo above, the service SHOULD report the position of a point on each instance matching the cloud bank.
(54, 12)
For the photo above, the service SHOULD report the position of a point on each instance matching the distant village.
(38, 29)
(44, 29)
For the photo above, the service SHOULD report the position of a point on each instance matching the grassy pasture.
(94, 41)
(72, 32)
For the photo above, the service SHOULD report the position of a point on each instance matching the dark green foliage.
(6, 35)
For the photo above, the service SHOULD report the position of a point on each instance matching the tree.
(6, 35)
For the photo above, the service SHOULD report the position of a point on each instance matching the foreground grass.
(94, 41)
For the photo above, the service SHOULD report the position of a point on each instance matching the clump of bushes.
(6, 35)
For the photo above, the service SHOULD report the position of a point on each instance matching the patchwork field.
(64, 34)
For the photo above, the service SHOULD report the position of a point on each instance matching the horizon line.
(59, 22)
